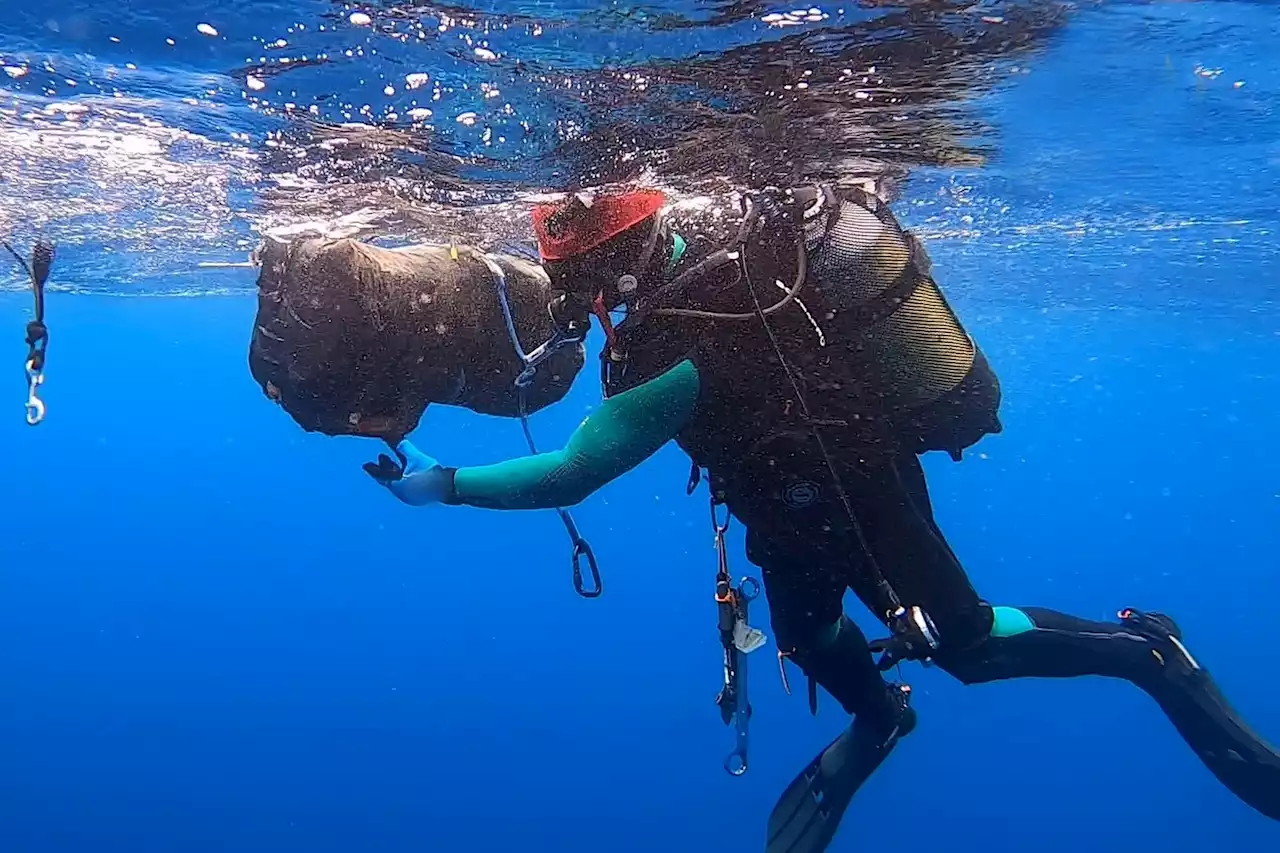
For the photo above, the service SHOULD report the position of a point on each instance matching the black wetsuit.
(820, 463)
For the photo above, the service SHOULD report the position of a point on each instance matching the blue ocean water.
(216, 634)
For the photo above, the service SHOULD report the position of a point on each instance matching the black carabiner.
(582, 548)
(721, 528)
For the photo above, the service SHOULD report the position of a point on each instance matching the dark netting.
(356, 339)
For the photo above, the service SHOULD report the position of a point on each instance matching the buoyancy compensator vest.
(852, 310)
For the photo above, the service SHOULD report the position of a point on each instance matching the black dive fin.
(809, 811)
(1238, 756)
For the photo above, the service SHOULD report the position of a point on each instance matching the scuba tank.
(935, 384)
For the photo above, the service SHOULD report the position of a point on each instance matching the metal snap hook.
(35, 406)
(735, 763)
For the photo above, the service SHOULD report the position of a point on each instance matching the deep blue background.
(217, 635)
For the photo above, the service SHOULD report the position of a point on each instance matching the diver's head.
(608, 246)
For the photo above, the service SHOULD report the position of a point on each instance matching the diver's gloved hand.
(914, 638)
(416, 479)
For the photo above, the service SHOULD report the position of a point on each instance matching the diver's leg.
(981, 644)
(904, 546)
(805, 603)
(807, 614)
(1146, 649)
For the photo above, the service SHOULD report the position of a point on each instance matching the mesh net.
(356, 339)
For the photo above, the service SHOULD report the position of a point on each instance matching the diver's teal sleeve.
(622, 433)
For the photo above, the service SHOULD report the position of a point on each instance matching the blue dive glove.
(416, 479)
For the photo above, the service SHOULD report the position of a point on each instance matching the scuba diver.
(796, 347)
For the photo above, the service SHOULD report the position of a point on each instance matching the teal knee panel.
(1010, 622)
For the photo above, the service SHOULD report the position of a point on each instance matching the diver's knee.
(811, 638)
(963, 628)
(969, 666)
(966, 649)
(836, 655)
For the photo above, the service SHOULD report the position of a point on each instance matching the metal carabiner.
(35, 406)
(581, 548)
(525, 379)
(736, 762)
(720, 528)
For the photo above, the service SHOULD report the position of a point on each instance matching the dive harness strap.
(571, 336)
(37, 334)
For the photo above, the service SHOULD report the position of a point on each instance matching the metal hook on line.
(35, 406)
